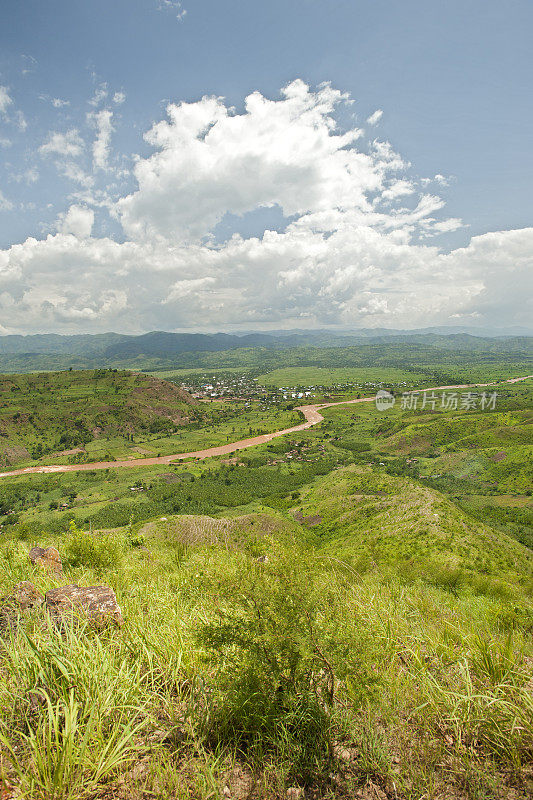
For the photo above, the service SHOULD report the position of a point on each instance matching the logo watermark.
(427, 399)
(384, 400)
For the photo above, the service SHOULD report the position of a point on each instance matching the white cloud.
(99, 96)
(55, 101)
(119, 98)
(20, 121)
(350, 252)
(174, 6)
(69, 144)
(5, 204)
(374, 118)
(398, 188)
(5, 99)
(67, 148)
(78, 220)
(5, 142)
(102, 120)
(210, 161)
(29, 176)
(73, 172)
(441, 180)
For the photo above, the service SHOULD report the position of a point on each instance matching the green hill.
(367, 639)
(51, 413)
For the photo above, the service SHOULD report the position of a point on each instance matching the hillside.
(265, 350)
(345, 611)
(379, 648)
(52, 413)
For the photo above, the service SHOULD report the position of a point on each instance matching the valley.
(317, 593)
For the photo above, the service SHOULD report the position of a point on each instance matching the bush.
(96, 551)
(279, 664)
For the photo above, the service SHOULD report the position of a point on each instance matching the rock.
(22, 599)
(46, 557)
(262, 560)
(343, 753)
(295, 793)
(98, 603)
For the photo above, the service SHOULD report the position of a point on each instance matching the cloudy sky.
(239, 165)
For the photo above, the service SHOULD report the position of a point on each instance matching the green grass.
(322, 376)
(317, 669)
(383, 643)
(104, 415)
(46, 414)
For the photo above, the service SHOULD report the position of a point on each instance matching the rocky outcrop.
(47, 558)
(97, 603)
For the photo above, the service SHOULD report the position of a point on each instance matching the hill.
(258, 351)
(366, 639)
(53, 413)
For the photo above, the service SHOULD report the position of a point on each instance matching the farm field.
(321, 376)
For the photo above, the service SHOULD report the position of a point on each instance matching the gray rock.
(98, 603)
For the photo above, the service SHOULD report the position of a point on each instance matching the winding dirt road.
(312, 417)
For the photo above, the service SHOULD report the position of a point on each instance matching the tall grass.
(270, 668)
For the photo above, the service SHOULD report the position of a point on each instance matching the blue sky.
(140, 232)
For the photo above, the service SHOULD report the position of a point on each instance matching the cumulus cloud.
(78, 221)
(5, 99)
(211, 161)
(119, 98)
(374, 118)
(102, 120)
(353, 248)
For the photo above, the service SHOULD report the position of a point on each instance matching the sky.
(207, 165)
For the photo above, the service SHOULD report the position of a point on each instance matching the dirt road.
(312, 417)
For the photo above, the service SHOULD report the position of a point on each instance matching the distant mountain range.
(159, 348)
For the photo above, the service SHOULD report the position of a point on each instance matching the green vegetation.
(51, 413)
(104, 415)
(381, 648)
(345, 610)
(321, 376)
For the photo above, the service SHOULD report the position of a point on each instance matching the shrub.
(96, 551)
(279, 664)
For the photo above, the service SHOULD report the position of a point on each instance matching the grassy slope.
(65, 410)
(373, 519)
(112, 415)
(222, 672)
(384, 648)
